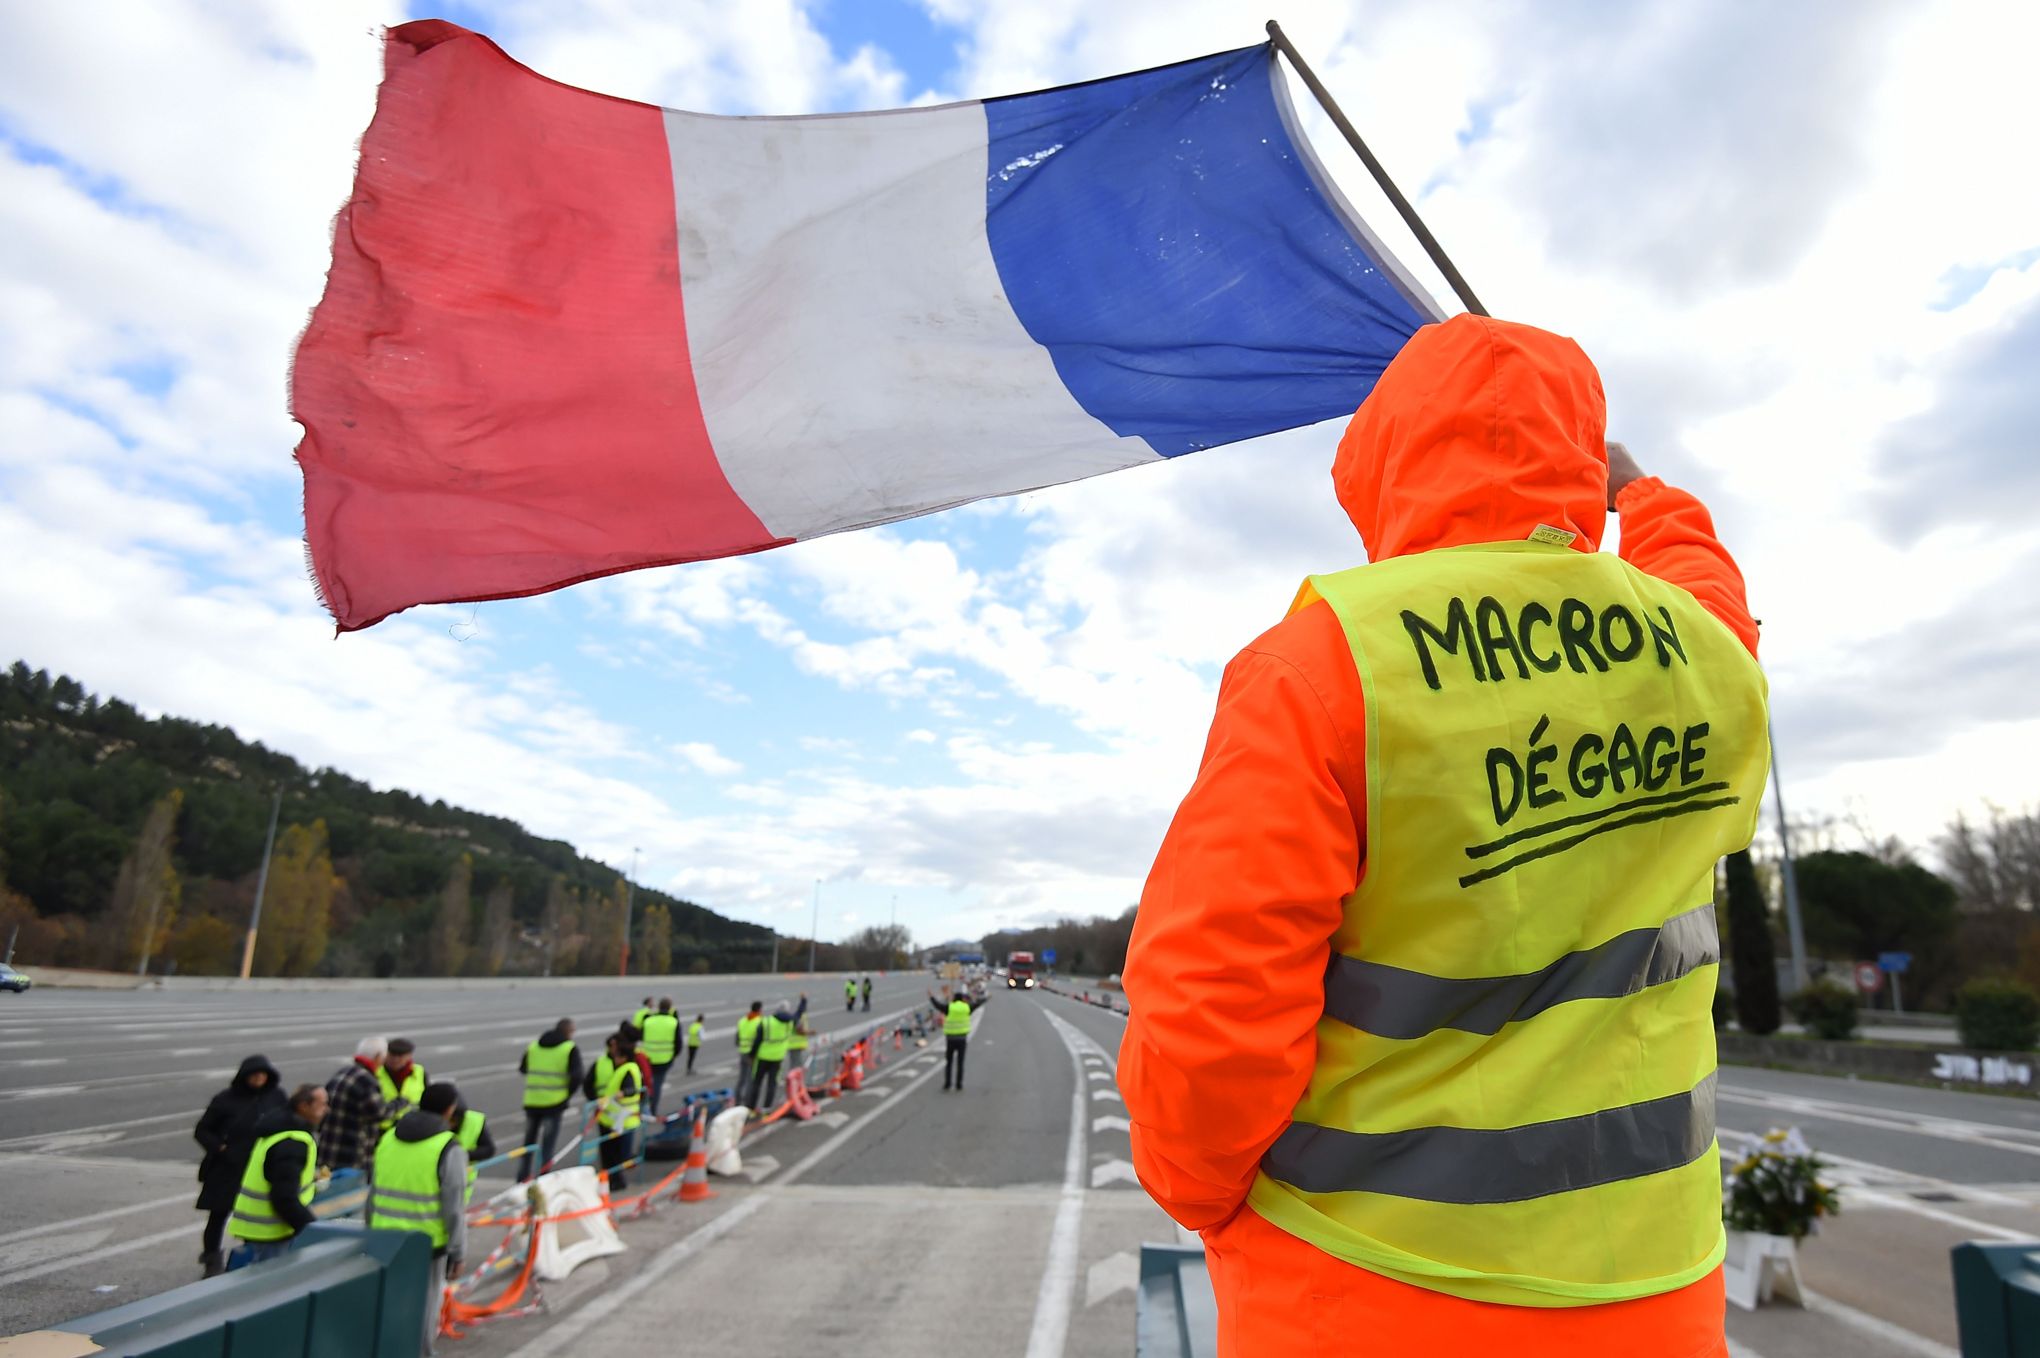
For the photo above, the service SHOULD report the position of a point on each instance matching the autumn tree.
(883, 947)
(446, 948)
(561, 925)
(602, 924)
(495, 948)
(1994, 865)
(146, 890)
(654, 951)
(297, 903)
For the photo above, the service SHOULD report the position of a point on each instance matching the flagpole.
(1402, 204)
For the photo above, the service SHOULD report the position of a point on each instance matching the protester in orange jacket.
(1480, 432)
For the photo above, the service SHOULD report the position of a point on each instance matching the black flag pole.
(1402, 204)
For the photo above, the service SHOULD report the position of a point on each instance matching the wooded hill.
(123, 836)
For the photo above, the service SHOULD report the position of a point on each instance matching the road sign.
(1048, 956)
(1869, 978)
(1894, 963)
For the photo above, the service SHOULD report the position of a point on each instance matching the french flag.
(566, 335)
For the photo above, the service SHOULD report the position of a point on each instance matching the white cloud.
(705, 757)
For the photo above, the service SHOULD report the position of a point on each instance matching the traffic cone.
(694, 1181)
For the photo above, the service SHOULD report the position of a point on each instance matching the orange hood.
(1479, 431)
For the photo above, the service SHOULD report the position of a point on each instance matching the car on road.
(13, 980)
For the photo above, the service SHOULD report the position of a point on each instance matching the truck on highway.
(1020, 971)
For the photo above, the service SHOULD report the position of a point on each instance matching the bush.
(1724, 1007)
(1828, 1010)
(1997, 1014)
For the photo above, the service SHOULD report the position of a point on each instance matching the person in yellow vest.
(955, 1009)
(617, 1117)
(644, 1011)
(1421, 977)
(418, 1181)
(275, 1201)
(770, 1041)
(471, 1129)
(661, 1046)
(694, 1032)
(797, 1045)
(401, 1079)
(849, 994)
(551, 1067)
(747, 1036)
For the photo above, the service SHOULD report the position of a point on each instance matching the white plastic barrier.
(565, 1245)
(724, 1131)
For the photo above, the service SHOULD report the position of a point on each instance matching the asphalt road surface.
(904, 1221)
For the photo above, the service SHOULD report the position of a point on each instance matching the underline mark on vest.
(1587, 817)
(1547, 850)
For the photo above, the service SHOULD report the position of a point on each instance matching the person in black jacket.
(226, 1133)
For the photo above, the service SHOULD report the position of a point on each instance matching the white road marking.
(1053, 1299)
(1113, 1172)
(22, 1275)
(1942, 1128)
(1903, 1203)
(1864, 1323)
(1099, 1075)
(191, 1051)
(1111, 1275)
(1102, 1094)
(1736, 1350)
(72, 1223)
(1111, 1124)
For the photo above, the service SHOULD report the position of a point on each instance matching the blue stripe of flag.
(1162, 236)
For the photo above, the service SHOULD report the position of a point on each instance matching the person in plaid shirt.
(354, 1115)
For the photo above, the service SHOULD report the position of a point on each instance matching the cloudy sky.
(1796, 239)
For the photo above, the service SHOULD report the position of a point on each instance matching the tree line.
(130, 842)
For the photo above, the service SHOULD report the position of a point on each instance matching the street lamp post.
(815, 934)
(1795, 931)
(261, 884)
(629, 899)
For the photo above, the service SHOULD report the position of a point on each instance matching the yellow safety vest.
(470, 1136)
(255, 1215)
(745, 1027)
(620, 1098)
(778, 1032)
(798, 1041)
(662, 1037)
(403, 1194)
(408, 1093)
(545, 1074)
(604, 1069)
(1514, 1093)
(694, 1034)
(956, 1023)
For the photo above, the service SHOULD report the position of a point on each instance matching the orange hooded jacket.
(1479, 431)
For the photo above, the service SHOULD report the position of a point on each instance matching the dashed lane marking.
(1111, 1124)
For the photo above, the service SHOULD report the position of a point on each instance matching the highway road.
(905, 1221)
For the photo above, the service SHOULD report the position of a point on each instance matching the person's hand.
(1622, 469)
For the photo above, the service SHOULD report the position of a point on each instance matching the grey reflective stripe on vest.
(1468, 1165)
(396, 1204)
(1393, 1003)
(262, 1213)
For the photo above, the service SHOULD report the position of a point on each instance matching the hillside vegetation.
(125, 837)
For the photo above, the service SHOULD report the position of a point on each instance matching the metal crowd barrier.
(1175, 1312)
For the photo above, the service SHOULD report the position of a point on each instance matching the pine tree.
(453, 926)
(1750, 948)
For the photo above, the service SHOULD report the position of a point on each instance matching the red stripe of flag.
(495, 389)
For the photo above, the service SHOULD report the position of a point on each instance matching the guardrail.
(1175, 1312)
(1997, 1299)
(342, 1290)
